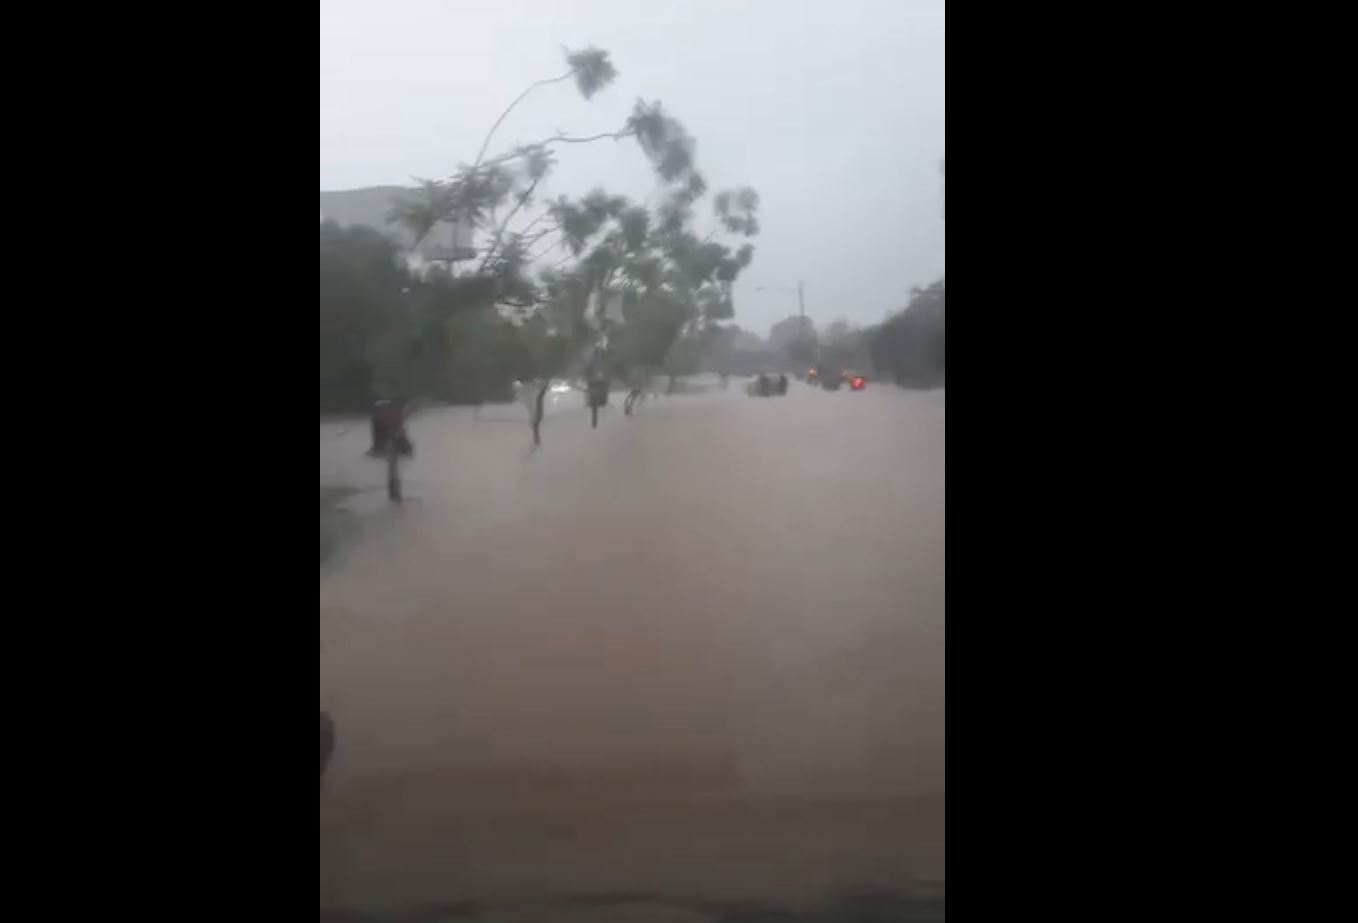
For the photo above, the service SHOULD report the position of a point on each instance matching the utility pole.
(801, 306)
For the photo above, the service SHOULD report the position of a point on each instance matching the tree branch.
(524, 150)
(500, 230)
(530, 225)
(533, 258)
(529, 239)
(503, 115)
(567, 139)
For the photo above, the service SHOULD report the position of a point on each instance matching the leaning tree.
(597, 283)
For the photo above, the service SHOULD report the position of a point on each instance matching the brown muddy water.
(699, 652)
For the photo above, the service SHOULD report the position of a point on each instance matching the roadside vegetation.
(597, 286)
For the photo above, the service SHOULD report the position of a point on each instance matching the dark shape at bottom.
(327, 741)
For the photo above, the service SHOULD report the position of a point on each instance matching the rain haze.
(834, 112)
(632, 597)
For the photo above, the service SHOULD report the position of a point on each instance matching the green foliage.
(665, 143)
(592, 70)
(671, 285)
(910, 346)
(736, 209)
(802, 352)
(388, 332)
(795, 338)
(421, 211)
(844, 347)
(641, 291)
(361, 281)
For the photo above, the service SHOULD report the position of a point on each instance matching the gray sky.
(833, 111)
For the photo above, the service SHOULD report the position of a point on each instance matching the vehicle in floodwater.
(767, 386)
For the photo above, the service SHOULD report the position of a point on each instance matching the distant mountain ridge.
(370, 205)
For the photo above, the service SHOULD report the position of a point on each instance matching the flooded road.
(696, 652)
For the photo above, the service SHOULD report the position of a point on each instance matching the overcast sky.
(833, 111)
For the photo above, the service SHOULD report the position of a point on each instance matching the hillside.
(369, 206)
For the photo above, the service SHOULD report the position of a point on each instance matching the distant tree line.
(909, 347)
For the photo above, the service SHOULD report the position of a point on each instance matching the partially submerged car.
(763, 385)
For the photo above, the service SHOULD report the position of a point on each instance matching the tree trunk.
(535, 417)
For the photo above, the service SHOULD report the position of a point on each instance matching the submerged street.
(696, 652)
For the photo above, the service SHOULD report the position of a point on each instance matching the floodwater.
(698, 653)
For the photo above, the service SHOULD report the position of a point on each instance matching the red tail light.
(857, 383)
